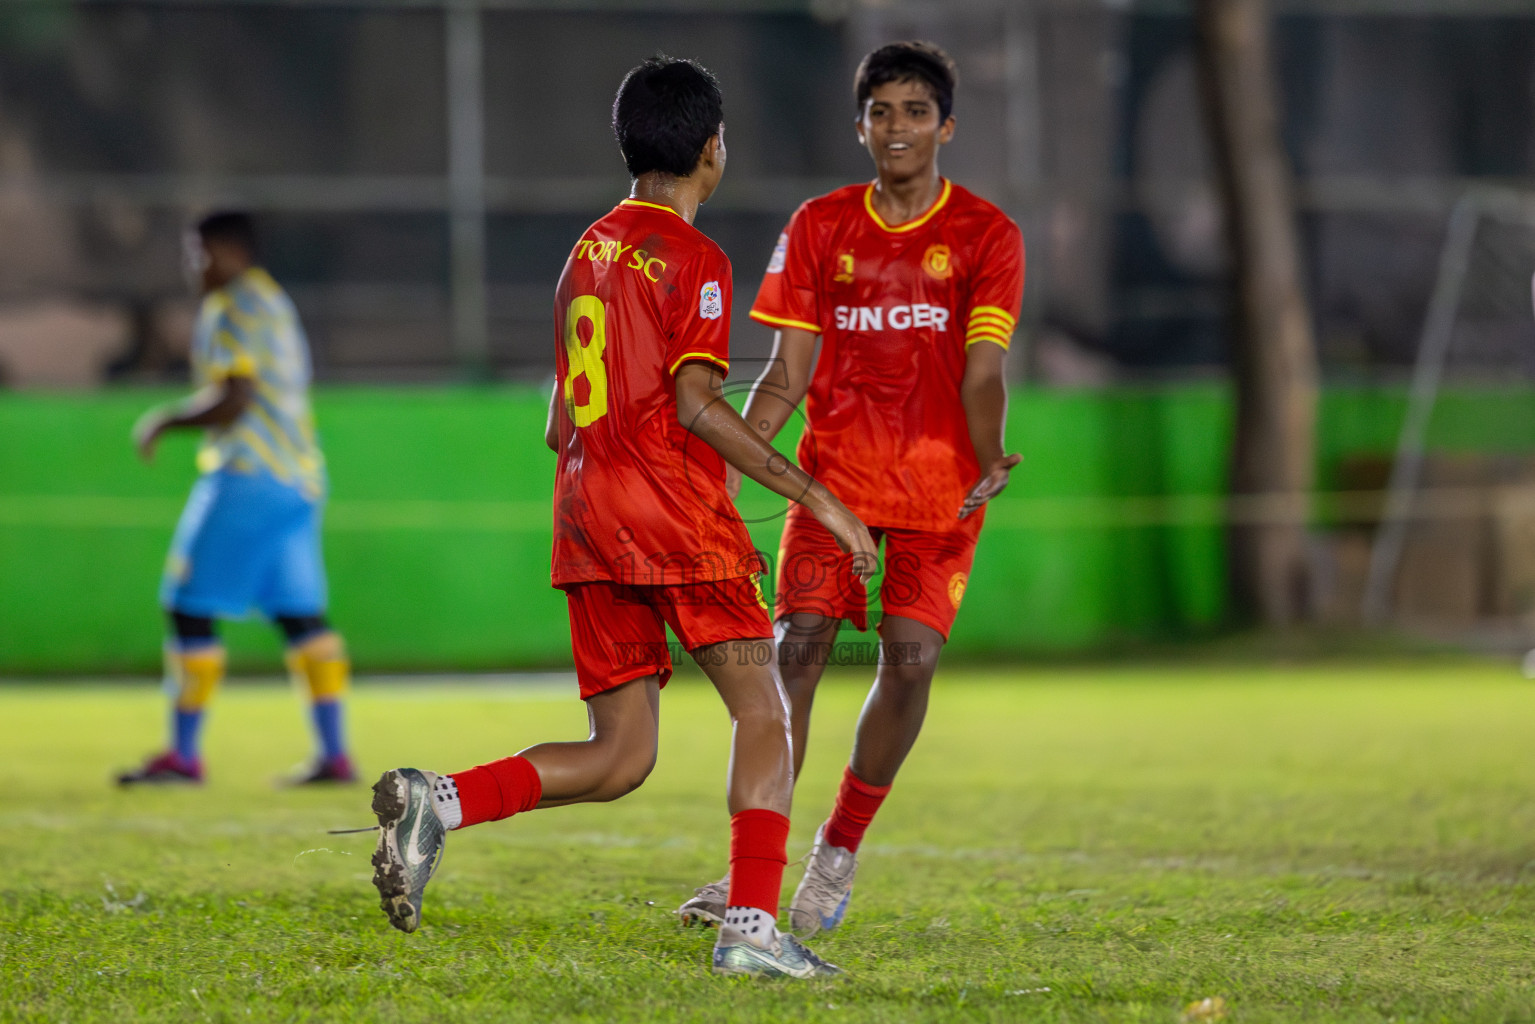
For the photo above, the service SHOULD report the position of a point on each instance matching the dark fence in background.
(422, 166)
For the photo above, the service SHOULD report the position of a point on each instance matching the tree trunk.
(1273, 355)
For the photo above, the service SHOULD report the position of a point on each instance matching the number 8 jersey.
(637, 498)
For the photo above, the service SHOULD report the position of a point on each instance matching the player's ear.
(946, 130)
(858, 128)
(713, 153)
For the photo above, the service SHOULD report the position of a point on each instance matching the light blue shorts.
(245, 541)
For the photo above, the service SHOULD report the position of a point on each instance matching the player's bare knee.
(910, 663)
(914, 675)
(799, 680)
(905, 684)
(626, 773)
(614, 789)
(768, 707)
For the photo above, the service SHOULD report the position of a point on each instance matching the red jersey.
(637, 498)
(896, 308)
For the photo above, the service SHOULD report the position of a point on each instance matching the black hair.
(230, 226)
(908, 62)
(664, 113)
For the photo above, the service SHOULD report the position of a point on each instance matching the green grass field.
(1066, 844)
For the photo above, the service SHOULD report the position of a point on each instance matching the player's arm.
(782, 386)
(552, 424)
(217, 405)
(779, 391)
(984, 394)
(702, 409)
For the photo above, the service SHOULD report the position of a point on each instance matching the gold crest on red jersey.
(957, 584)
(844, 268)
(936, 262)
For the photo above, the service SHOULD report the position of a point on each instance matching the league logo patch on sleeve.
(711, 303)
(780, 252)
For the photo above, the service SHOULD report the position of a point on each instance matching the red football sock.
(857, 801)
(759, 843)
(498, 790)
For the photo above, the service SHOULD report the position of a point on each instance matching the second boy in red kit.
(913, 286)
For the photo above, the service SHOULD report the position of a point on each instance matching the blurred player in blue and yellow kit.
(249, 537)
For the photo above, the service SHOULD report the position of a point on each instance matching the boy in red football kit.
(645, 535)
(913, 285)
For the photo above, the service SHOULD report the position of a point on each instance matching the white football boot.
(823, 894)
(783, 957)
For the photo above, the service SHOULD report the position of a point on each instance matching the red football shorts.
(618, 632)
(925, 572)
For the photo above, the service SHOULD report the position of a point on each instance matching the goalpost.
(1482, 301)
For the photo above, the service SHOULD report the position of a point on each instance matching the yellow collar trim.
(255, 276)
(653, 206)
(911, 225)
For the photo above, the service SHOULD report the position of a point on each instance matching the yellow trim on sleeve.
(990, 323)
(989, 327)
(1003, 342)
(993, 311)
(723, 364)
(243, 366)
(653, 206)
(779, 321)
(911, 225)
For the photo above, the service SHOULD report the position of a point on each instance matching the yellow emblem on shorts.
(936, 261)
(957, 588)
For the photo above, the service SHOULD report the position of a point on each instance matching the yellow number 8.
(586, 359)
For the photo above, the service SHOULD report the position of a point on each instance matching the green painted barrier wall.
(437, 533)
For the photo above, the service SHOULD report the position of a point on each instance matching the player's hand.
(850, 534)
(146, 434)
(991, 484)
(732, 481)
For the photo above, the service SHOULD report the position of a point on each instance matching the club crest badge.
(957, 588)
(711, 302)
(936, 261)
(780, 253)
